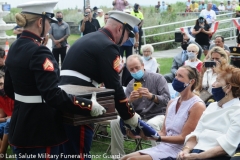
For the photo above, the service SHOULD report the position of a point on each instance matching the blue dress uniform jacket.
(33, 71)
(96, 56)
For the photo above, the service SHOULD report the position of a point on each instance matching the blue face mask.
(191, 55)
(138, 75)
(218, 93)
(179, 86)
(146, 57)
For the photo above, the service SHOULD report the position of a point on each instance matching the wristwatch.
(159, 139)
(153, 97)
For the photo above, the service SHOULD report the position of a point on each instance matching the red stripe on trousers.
(82, 134)
(48, 151)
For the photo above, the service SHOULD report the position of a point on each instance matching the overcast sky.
(64, 4)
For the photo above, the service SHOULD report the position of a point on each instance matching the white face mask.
(191, 55)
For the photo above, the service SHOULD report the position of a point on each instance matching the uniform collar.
(108, 33)
(28, 34)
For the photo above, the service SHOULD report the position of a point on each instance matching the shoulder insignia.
(48, 65)
(116, 64)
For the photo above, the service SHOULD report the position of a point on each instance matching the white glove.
(133, 122)
(97, 109)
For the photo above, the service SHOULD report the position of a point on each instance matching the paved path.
(173, 52)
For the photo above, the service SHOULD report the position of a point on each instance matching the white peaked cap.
(39, 7)
(124, 18)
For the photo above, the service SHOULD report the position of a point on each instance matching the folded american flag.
(147, 129)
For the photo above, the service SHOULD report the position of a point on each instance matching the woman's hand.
(185, 155)
(191, 156)
(131, 135)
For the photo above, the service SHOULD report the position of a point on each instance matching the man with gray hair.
(149, 101)
(209, 14)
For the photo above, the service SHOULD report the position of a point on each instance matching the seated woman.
(193, 61)
(181, 118)
(150, 63)
(216, 136)
(209, 74)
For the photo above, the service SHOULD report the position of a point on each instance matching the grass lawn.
(165, 65)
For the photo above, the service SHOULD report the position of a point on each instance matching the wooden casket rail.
(104, 97)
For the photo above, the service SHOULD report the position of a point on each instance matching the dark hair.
(220, 37)
(197, 23)
(106, 13)
(192, 74)
(2, 52)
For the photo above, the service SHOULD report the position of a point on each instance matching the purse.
(204, 94)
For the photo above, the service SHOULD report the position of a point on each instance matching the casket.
(105, 98)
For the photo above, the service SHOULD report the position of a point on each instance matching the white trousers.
(117, 138)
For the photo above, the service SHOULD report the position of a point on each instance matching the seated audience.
(149, 101)
(219, 56)
(150, 63)
(193, 61)
(189, 41)
(221, 7)
(202, 6)
(219, 41)
(216, 136)
(229, 7)
(6, 106)
(194, 6)
(181, 118)
(178, 61)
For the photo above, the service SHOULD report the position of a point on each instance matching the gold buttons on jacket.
(83, 103)
(89, 106)
(130, 108)
(76, 101)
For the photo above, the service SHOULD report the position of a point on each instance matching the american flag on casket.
(147, 129)
(188, 30)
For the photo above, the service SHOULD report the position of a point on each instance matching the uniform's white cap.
(128, 20)
(40, 8)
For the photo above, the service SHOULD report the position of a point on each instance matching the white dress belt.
(79, 75)
(29, 99)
